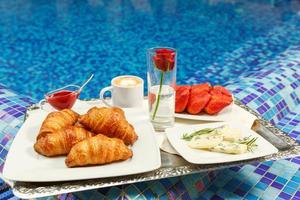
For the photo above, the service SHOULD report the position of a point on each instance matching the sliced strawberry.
(182, 97)
(198, 100)
(202, 87)
(220, 90)
(217, 103)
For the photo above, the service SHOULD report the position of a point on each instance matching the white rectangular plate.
(24, 164)
(206, 157)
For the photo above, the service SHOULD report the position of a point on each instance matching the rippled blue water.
(46, 44)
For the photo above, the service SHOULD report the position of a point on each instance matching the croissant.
(78, 124)
(61, 141)
(110, 122)
(57, 120)
(97, 150)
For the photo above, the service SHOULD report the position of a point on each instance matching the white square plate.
(206, 157)
(24, 164)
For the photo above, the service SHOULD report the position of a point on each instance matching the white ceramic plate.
(224, 115)
(205, 157)
(24, 164)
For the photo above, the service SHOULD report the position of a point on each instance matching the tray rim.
(36, 189)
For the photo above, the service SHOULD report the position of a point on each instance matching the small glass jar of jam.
(62, 98)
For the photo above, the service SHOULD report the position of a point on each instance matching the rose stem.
(158, 97)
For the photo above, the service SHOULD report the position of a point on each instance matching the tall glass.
(161, 75)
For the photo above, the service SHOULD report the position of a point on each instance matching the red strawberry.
(220, 89)
(202, 87)
(220, 98)
(182, 97)
(216, 104)
(198, 100)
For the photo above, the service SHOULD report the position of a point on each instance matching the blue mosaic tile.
(158, 188)
(284, 195)
(166, 182)
(266, 181)
(288, 190)
(185, 196)
(251, 197)
(257, 58)
(277, 185)
(281, 180)
(232, 184)
(262, 185)
(216, 197)
(245, 186)
(142, 185)
(296, 179)
(297, 194)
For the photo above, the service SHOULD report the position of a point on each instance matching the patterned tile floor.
(257, 57)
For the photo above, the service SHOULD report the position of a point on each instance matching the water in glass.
(164, 117)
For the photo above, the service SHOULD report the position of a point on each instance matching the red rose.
(164, 59)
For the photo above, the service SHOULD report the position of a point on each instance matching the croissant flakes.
(61, 141)
(57, 120)
(98, 150)
(110, 122)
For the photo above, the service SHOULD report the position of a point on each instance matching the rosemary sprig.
(250, 142)
(189, 136)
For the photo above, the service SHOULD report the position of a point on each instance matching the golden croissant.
(60, 142)
(110, 122)
(97, 150)
(78, 124)
(57, 120)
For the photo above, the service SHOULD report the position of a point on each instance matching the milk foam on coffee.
(126, 91)
(127, 81)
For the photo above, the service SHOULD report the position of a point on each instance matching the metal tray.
(172, 165)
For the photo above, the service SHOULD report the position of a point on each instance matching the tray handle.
(269, 136)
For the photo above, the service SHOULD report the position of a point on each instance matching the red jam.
(62, 99)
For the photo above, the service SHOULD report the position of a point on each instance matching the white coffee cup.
(127, 91)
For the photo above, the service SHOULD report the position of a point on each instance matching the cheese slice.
(230, 134)
(206, 141)
(229, 147)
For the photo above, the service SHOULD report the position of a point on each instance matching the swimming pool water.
(47, 44)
